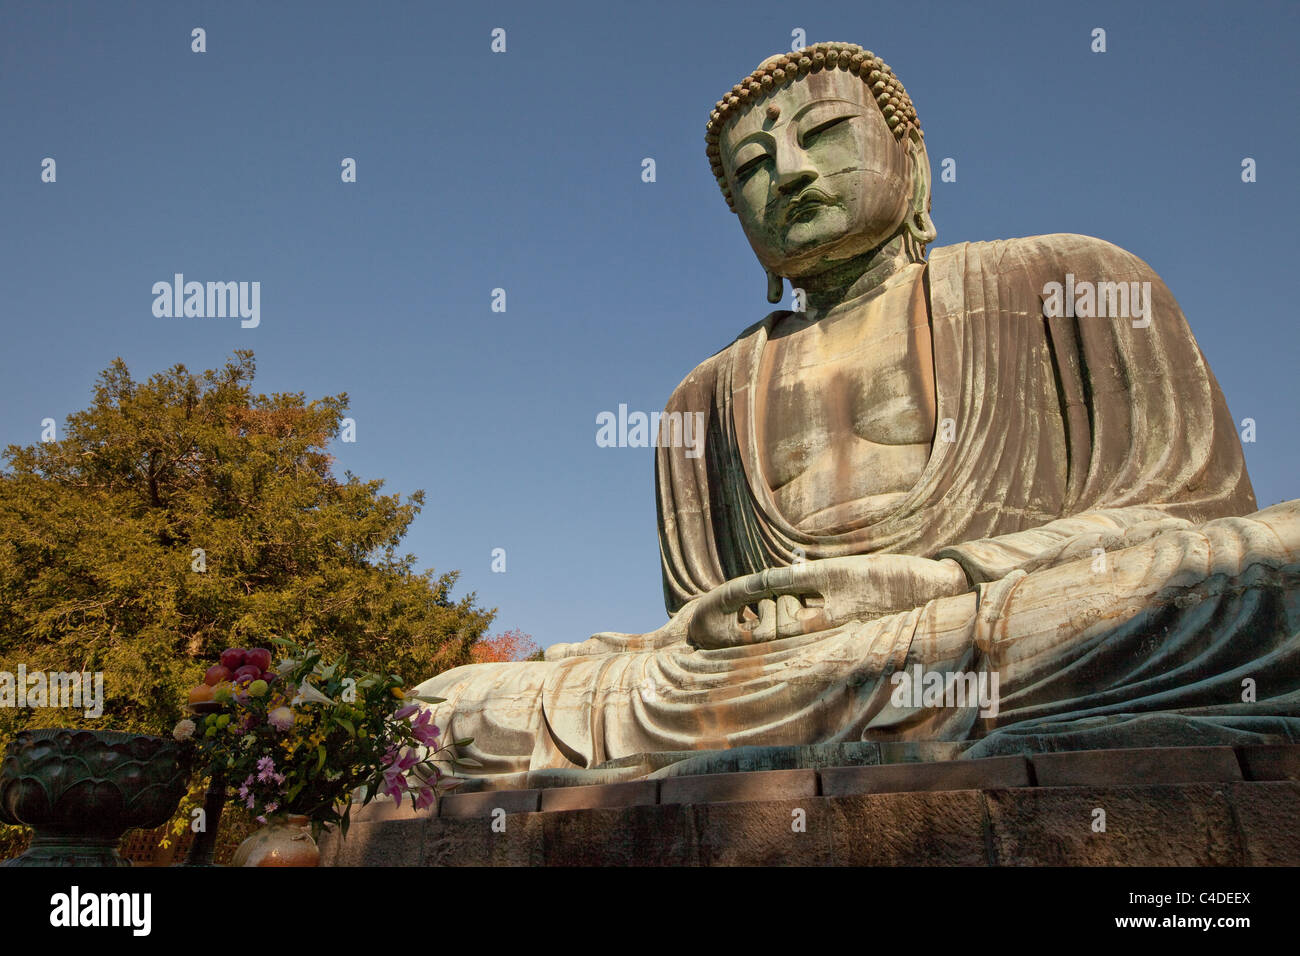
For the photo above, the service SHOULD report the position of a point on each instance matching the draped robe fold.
(1071, 437)
(1051, 417)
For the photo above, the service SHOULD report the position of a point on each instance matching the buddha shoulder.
(705, 375)
(1051, 255)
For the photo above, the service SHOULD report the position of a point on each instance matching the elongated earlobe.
(775, 288)
(919, 224)
(921, 227)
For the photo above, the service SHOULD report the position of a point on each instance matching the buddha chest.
(845, 407)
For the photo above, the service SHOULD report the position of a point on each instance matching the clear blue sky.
(522, 170)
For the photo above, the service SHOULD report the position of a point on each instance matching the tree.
(513, 645)
(186, 514)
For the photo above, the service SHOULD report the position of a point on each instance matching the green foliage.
(98, 531)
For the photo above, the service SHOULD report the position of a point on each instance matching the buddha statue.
(931, 468)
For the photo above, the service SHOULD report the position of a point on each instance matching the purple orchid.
(424, 730)
(424, 797)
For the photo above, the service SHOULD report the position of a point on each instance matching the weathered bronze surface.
(933, 468)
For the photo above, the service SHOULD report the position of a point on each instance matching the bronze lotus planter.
(81, 790)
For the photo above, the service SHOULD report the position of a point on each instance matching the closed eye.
(816, 131)
(751, 167)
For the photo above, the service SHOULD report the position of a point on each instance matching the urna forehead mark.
(821, 95)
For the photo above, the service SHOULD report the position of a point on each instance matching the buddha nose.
(793, 169)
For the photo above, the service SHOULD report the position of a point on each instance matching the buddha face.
(815, 174)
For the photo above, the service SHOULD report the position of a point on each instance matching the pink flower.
(394, 786)
(281, 718)
(406, 760)
(395, 783)
(424, 798)
(405, 711)
(266, 769)
(424, 730)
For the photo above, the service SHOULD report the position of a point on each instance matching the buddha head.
(820, 154)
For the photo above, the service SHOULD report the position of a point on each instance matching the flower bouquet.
(305, 737)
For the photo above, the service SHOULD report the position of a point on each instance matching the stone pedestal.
(1185, 806)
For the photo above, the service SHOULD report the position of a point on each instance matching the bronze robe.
(1071, 435)
(1052, 418)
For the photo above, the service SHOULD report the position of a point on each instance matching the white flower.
(183, 730)
(309, 695)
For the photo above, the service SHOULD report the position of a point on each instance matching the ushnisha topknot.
(777, 71)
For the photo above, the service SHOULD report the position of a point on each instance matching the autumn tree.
(186, 514)
(512, 645)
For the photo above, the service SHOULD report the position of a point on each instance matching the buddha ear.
(775, 288)
(919, 224)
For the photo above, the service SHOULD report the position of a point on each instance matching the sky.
(522, 171)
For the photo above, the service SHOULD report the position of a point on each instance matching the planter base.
(73, 849)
